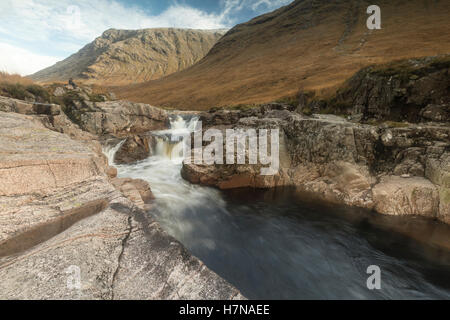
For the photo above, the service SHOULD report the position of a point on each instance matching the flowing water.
(280, 244)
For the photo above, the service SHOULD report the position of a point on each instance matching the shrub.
(38, 91)
(16, 91)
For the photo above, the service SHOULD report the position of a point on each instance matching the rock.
(438, 170)
(61, 217)
(135, 148)
(111, 172)
(122, 118)
(59, 92)
(47, 109)
(137, 190)
(406, 196)
(35, 160)
(112, 96)
(444, 204)
(14, 105)
(387, 92)
(340, 161)
(433, 112)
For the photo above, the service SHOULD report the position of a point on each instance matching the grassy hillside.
(307, 45)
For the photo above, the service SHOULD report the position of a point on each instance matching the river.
(281, 244)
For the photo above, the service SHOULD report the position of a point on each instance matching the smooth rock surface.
(67, 232)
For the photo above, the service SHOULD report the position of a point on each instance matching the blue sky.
(36, 33)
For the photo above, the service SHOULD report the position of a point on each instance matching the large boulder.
(122, 118)
(434, 112)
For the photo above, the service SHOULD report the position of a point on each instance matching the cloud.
(83, 20)
(258, 6)
(23, 62)
(61, 27)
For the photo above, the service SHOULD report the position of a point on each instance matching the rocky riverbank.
(386, 148)
(399, 171)
(63, 211)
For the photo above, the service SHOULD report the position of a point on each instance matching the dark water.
(279, 245)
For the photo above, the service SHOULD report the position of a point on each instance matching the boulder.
(135, 148)
(406, 196)
(122, 118)
(59, 92)
(137, 190)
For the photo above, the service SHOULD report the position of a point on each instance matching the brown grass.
(6, 77)
(313, 45)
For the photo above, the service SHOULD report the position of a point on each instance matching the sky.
(35, 34)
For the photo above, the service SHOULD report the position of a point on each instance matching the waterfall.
(169, 143)
(110, 151)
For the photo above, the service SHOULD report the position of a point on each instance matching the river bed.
(280, 244)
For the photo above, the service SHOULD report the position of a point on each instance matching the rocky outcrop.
(67, 231)
(116, 118)
(413, 90)
(389, 168)
(120, 118)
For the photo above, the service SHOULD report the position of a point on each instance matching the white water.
(273, 246)
(174, 195)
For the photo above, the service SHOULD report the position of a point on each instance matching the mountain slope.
(129, 56)
(309, 44)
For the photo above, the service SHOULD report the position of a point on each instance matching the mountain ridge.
(121, 57)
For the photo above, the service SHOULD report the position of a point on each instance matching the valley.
(283, 158)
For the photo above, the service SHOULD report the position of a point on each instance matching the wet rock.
(135, 148)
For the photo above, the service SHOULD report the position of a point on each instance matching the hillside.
(121, 57)
(309, 45)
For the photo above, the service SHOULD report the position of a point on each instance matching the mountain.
(308, 44)
(129, 56)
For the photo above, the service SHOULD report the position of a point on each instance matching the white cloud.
(62, 27)
(258, 6)
(83, 20)
(23, 62)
